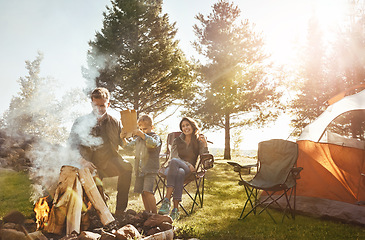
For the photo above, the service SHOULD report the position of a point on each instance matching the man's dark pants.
(123, 169)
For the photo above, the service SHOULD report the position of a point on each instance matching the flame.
(41, 210)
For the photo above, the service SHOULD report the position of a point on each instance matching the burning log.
(61, 200)
(73, 213)
(41, 210)
(95, 197)
(68, 201)
(74, 209)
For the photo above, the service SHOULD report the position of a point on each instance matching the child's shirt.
(147, 156)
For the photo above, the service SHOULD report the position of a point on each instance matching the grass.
(224, 199)
(218, 219)
(15, 190)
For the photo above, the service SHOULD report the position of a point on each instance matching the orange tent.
(332, 182)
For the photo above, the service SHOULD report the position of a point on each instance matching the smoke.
(46, 122)
(48, 158)
(39, 115)
(97, 62)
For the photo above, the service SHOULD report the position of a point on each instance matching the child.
(147, 145)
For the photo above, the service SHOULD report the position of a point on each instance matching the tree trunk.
(227, 144)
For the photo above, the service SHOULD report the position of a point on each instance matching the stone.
(107, 236)
(156, 219)
(128, 232)
(37, 235)
(86, 235)
(12, 234)
(165, 226)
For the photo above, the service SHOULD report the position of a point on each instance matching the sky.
(61, 30)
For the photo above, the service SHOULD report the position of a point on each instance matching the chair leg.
(161, 192)
(198, 185)
(288, 205)
(202, 192)
(250, 192)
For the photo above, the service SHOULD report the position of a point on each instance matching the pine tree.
(329, 68)
(34, 111)
(136, 57)
(236, 90)
(312, 83)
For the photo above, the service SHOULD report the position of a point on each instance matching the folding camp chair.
(196, 194)
(275, 178)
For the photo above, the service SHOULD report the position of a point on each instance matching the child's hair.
(100, 93)
(146, 119)
(193, 124)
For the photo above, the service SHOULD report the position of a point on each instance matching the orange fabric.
(343, 94)
(331, 172)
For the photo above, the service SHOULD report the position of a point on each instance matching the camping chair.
(275, 178)
(204, 163)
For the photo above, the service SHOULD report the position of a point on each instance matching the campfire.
(78, 211)
(41, 210)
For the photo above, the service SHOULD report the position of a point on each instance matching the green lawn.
(224, 200)
(218, 219)
(15, 193)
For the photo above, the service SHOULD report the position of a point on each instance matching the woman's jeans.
(176, 172)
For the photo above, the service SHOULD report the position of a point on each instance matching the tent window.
(350, 125)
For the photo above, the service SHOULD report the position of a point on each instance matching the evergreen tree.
(329, 68)
(348, 65)
(313, 87)
(348, 56)
(34, 111)
(136, 57)
(235, 88)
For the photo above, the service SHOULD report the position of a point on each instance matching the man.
(97, 138)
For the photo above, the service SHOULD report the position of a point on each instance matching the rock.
(86, 235)
(128, 232)
(72, 236)
(9, 225)
(131, 212)
(14, 217)
(165, 226)
(12, 234)
(107, 236)
(37, 235)
(153, 231)
(165, 235)
(156, 219)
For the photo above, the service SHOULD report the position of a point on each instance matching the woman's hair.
(193, 123)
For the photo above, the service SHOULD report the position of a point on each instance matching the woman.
(184, 154)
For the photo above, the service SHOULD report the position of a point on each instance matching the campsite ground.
(223, 203)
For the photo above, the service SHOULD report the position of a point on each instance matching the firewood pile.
(132, 225)
(78, 211)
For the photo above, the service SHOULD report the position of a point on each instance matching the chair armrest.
(207, 160)
(238, 167)
(296, 172)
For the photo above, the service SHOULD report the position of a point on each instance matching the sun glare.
(288, 24)
(331, 14)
